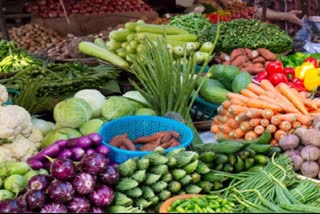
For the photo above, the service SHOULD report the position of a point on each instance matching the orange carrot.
(309, 103)
(271, 128)
(222, 111)
(240, 97)
(282, 101)
(256, 103)
(267, 114)
(288, 92)
(285, 125)
(290, 117)
(279, 134)
(255, 88)
(275, 120)
(214, 129)
(270, 100)
(237, 102)
(241, 117)
(238, 133)
(265, 122)
(248, 93)
(236, 109)
(305, 119)
(245, 126)
(232, 123)
(226, 104)
(259, 129)
(254, 113)
(267, 85)
(274, 142)
(296, 124)
(290, 131)
(250, 135)
(224, 128)
(221, 135)
(316, 101)
(224, 119)
(303, 94)
(254, 122)
(217, 119)
(314, 112)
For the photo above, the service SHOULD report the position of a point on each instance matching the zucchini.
(263, 139)
(256, 168)
(212, 177)
(100, 43)
(132, 25)
(153, 28)
(274, 149)
(228, 168)
(261, 159)
(113, 45)
(122, 52)
(120, 35)
(92, 49)
(248, 163)
(232, 159)
(224, 147)
(207, 157)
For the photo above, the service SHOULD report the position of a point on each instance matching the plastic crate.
(11, 93)
(137, 126)
(202, 110)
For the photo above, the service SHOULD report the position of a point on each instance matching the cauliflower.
(3, 94)
(5, 155)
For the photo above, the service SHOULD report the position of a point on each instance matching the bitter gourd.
(139, 176)
(159, 169)
(174, 186)
(121, 199)
(178, 173)
(134, 192)
(159, 186)
(125, 184)
(151, 178)
(127, 168)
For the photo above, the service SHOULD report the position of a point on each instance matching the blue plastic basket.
(138, 126)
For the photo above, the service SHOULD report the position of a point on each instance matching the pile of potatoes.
(303, 147)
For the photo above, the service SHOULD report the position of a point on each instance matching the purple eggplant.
(35, 164)
(102, 149)
(65, 153)
(95, 138)
(84, 183)
(97, 210)
(9, 206)
(79, 205)
(102, 196)
(61, 191)
(51, 151)
(94, 163)
(90, 151)
(113, 164)
(61, 143)
(22, 202)
(63, 169)
(83, 142)
(39, 182)
(110, 176)
(54, 208)
(36, 199)
(77, 153)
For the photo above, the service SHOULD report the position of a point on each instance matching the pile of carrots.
(165, 139)
(258, 108)
(252, 61)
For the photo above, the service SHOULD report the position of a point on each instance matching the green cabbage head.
(116, 107)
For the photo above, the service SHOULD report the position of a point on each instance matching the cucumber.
(244, 154)
(219, 167)
(241, 81)
(260, 148)
(251, 152)
(167, 29)
(232, 159)
(120, 35)
(256, 168)
(92, 49)
(228, 168)
(261, 159)
(132, 25)
(131, 37)
(224, 147)
(221, 159)
(239, 166)
(248, 163)
(272, 150)
(207, 157)
(100, 43)
(214, 94)
(113, 45)
(263, 139)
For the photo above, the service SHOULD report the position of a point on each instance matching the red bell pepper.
(289, 72)
(298, 84)
(274, 67)
(277, 78)
(261, 76)
(312, 60)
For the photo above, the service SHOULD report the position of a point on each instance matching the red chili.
(277, 78)
(289, 72)
(312, 60)
(274, 67)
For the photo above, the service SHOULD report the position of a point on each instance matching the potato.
(310, 169)
(310, 153)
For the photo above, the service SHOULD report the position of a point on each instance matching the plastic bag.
(304, 35)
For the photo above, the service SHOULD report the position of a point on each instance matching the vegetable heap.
(308, 73)
(296, 59)
(14, 177)
(279, 110)
(71, 187)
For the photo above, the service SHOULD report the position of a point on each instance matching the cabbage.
(94, 98)
(72, 112)
(136, 96)
(91, 126)
(116, 107)
(59, 134)
(146, 111)
(42, 125)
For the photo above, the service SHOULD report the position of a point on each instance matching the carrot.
(305, 119)
(238, 133)
(250, 135)
(245, 126)
(265, 122)
(236, 109)
(303, 94)
(241, 117)
(270, 100)
(267, 114)
(267, 85)
(226, 104)
(224, 128)
(309, 103)
(248, 93)
(256, 103)
(232, 123)
(222, 111)
(314, 112)
(174, 134)
(255, 89)
(275, 120)
(254, 113)
(259, 59)
(239, 60)
(271, 128)
(288, 92)
(290, 117)
(214, 129)
(259, 129)
(268, 55)
(235, 53)
(254, 122)
(129, 144)
(290, 131)
(296, 124)
(237, 102)
(274, 142)
(258, 65)
(285, 125)
(221, 135)
(150, 138)
(279, 134)
(316, 101)
(240, 97)
(216, 119)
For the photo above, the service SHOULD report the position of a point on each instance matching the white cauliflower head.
(14, 120)
(3, 94)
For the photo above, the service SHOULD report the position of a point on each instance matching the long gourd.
(188, 37)
(92, 49)
(153, 28)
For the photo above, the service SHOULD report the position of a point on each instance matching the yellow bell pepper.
(312, 79)
(300, 71)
